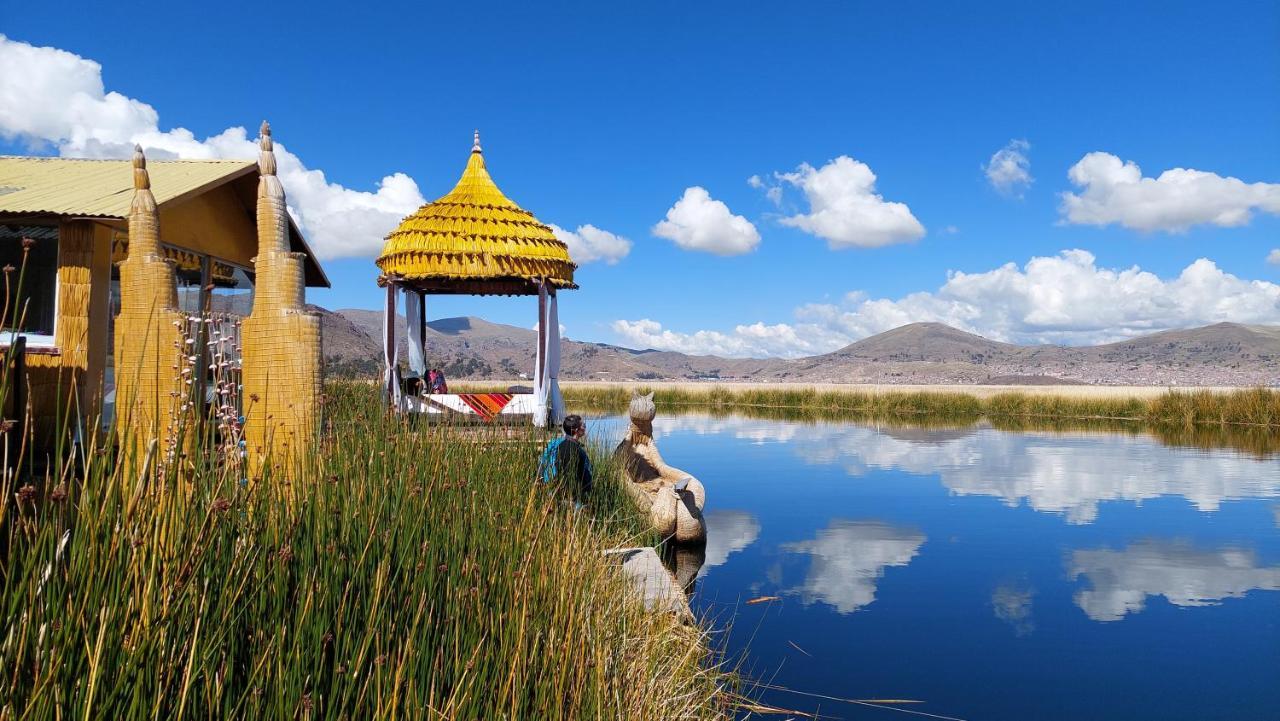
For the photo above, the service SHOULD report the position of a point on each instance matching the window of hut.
(32, 308)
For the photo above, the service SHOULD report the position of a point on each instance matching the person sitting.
(566, 463)
(435, 382)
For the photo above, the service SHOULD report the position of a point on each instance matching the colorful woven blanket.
(486, 405)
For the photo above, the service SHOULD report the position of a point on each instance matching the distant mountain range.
(1222, 354)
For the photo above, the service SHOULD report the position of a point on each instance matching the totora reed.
(421, 573)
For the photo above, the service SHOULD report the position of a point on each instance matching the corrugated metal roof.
(103, 188)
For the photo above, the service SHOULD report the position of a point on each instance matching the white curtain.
(413, 316)
(390, 349)
(539, 368)
(555, 401)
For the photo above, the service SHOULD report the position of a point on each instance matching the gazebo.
(474, 241)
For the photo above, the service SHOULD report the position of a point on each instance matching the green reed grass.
(1258, 407)
(421, 573)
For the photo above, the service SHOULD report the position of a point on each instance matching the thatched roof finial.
(266, 158)
(141, 179)
(144, 219)
(475, 147)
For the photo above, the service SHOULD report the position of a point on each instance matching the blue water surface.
(990, 574)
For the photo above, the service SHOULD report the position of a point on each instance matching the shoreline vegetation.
(1242, 419)
(1244, 407)
(421, 573)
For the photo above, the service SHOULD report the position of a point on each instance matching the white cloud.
(745, 341)
(1066, 298)
(1183, 574)
(1114, 191)
(845, 209)
(561, 326)
(589, 244)
(1009, 170)
(699, 222)
(848, 558)
(727, 533)
(53, 99)
(1274, 256)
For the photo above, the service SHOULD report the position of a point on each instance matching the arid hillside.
(1225, 354)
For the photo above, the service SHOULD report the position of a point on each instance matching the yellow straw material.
(475, 233)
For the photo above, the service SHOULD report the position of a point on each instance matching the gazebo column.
(390, 348)
(422, 327)
(541, 358)
(415, 316)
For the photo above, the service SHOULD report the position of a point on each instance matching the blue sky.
(603, 115)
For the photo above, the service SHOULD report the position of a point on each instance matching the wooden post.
(542, 333)
(389, 342)
(422, 331)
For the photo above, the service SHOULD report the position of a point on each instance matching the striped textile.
(486, 405)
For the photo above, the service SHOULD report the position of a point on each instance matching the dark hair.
(572, 424)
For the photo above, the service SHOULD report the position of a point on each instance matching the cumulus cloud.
(699, 222)
(1274, 256)
(1186, 576)
(844, 207)
(1009, 170)
(589, 244)
(1066, 298)
(727, 533)
(1114, 191)
(848, 558)
(745, 341)
(51, 99)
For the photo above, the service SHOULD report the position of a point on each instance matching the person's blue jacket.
(566, 463)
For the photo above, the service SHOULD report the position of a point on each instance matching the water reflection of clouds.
(1059, 473)
(727, 533)
(1012, 604)
(1122, 580)
(847, 559)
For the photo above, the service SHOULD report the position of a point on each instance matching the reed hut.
(116, 253)
(474, 241)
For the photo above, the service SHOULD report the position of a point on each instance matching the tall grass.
(1258, 407)
(422, 574)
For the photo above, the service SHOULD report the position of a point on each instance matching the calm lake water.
(992, 574)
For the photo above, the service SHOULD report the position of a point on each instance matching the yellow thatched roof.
(474, 240)
(103, 188)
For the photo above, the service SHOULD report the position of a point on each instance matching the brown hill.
(1221, 354)
(925, 342)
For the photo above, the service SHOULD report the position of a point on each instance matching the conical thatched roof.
(474, 240)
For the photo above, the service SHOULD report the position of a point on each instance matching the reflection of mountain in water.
(1183, 574)
(849, 557)
(727, 532)
(1068, 473)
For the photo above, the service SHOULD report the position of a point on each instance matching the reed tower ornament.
(281, 340)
